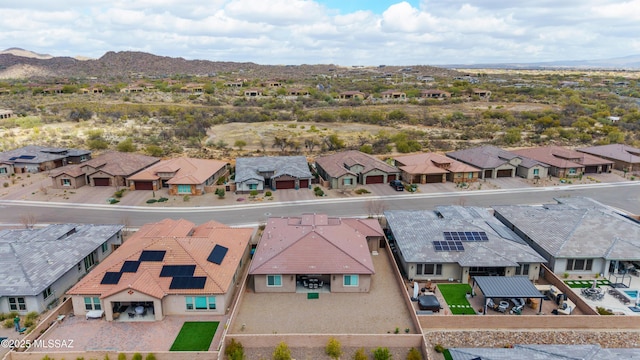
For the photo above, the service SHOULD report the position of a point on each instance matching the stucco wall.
(337, 284)
(288, 284)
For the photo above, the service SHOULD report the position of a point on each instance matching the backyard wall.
(554, 280)
(538, 322)
(163, 355)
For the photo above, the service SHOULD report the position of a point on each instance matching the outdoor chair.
(321, 284)
(305, 283)
(503, 307)
(132, 315)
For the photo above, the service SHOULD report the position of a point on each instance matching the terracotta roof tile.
(561, 157)
(431, 163)
(188, 170)
(334, 164)
(120, 164)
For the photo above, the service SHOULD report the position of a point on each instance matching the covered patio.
(506, 289)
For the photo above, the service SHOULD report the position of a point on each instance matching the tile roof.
(431, 163)
(184, 244)
(117, 163)
(187, 170)
(415, 231)
(335, 164)
(249, 168)
(74, 170)
(489, 157)
(315, 244)
(34, 154)
(576, 227)
(618, 152)
(33, 259)
(561, 157)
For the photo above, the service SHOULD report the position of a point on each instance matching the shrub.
(414, 354)
(318, 191)
(268, 193)
(333, 348)
(603, 311)
(106, 357)
(381, 353)
(220, 193)
(253, 193)
(220, 180)
(362, 191)
(150, 356)
(8, 323)
(186, 198)
(163, 199)
(438, 348)
(5, 184)
(360, 355)
(28, 323)
(234, 350)
(114, 201)
(122, 356)
(136, 356)
(565, 275)
(3, 316)
(282, 352)
(118, 194)
(151, 201)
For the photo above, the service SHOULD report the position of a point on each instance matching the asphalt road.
(625, 196)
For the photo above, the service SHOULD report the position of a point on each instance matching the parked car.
(397, 184)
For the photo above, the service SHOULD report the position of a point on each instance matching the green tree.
(234, 350)
(127, 145)
(414, 354)
(154, 150)
(97, 144)
(282, 352)
(512, 136)
(333, 142)
(333, 348)
(240, 144)
(381, 353)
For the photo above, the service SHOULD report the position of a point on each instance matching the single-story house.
(565, 162)
(183, 176)
(6, 168)
(332, 253)
(112, 168)
(435, 94)
(455, 243)
(425, 168)
(68, 177)
(347, 169)
(167, 268)
(34, 158)
(351, 95)
(39, 265)
(485, 94)
(253, 92)
(577, 235)
(6, 114)
(272, 172)
(393, 95)
(495, 163)
(624, 157)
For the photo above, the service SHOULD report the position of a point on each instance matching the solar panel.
(448, 245)
(152, 255)
(130, 266)
(217, 254)
(465, 236)
(27, 157)
(188, 282)
(177, 270)
(111, 278)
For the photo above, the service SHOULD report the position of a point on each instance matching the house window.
(253, 186)
(470, 176)
(17, 304)
(92, 303)
(83, 158)
(184, 189)
(579, 264)
(200, 302)
(66, 182)
(79, 266)
(348, 181)
(89, 261)
(274, 280)
(536, 172)
(3, 170)
(47, 292)
(350, 280)
(572, 171)
(522, 269)
(428, 269)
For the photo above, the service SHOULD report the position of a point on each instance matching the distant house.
(167, 268)
(6, 114)
(39, 265)
(485, 94)
(565, 162)
(495, 163)
(253, 92)
(458, 243)
(298, 92)
(351, 95)
(624, 157)
(132, 89)
(330, 253)
(233, 84)
(193, 88)
(183, 176)
(425, 168)
(435, 94)
(68, 177)
(112, 168)
(272, 172)
(272, 84)
(576, 235)
(347, 169)
(393, 95)
(33, 158)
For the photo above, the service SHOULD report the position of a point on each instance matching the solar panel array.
(465, 235)
(177, 270)
(217, 254)
(188, 282)
(448, 245)
(130, 266)
(152, 255)
(111, 278)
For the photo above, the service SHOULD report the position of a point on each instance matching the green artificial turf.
(455, 296)
(447, 355)
(195, 336)
(577, 284)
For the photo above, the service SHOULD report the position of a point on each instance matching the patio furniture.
(321, 284)
(503, 307)
(139, 310)
(132, 315)
(94, 314)
(517, 310)
(305, 283)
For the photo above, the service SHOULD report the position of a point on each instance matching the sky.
(341, 32)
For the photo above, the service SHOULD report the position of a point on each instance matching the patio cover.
(507, 287)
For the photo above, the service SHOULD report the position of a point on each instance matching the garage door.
(504, 173)
(144, 185)
(434, 179)
(101, 181)
(591, 169)
(304, 184)
(391, 177)
(377, 179)
(285, 184)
